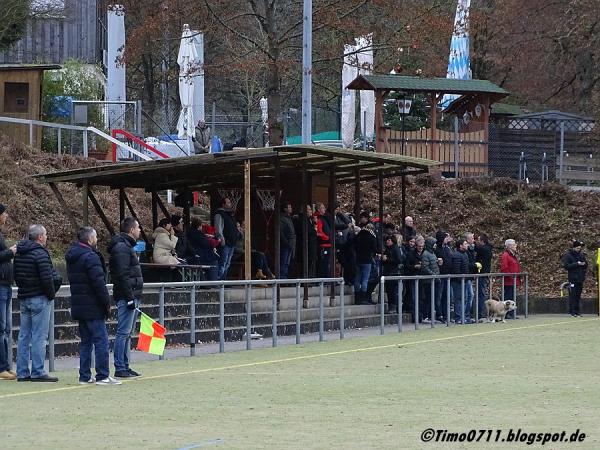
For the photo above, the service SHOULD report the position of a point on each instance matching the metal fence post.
(59, 143)
(456, 147)
(51, 339)
(85, 144)
(432, 306)
(400, 304)
(222, 319)
(274, 317)
(561, 166)
(448, 287)
(526, 295)
(416, 303)
(462, 300)
(161, 311)
(342, 309)
(476, 299)
(193, 321)
(382, 306)
(321, 325)
(31, 133)
(248, 316)
(297, 313)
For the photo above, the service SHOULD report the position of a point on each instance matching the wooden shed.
(21, 98)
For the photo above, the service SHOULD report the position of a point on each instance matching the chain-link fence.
(534, 149)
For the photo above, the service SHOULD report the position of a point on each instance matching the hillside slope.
(541, 218)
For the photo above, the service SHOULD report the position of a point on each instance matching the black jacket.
(200, 249)
(484, 256)
(87, 278)
(460, 263)
(394, 263)
(365, 244)
(6, 268)
(181, 248)
(413, 258)
(125, 269)
(472, 259)
(230, 230)
(575, 271)
(287, 232)
(34, 272)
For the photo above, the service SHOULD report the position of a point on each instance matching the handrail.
(128, 135)
(32, 122)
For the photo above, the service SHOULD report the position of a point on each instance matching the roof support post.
(356, 193)
(164, 210)
(380, 197)
(100, 212)
(403, 199)
(121, 205)
(85, 204)
(304, 214)
(134, 215)
(381, 139)
(154, 210)
(65, 207)
(434, 144)
(277, 222)
(332, 232)
(247, 223)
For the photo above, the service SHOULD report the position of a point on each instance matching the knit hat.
(577, 243)
(2, 208)
(175, 220)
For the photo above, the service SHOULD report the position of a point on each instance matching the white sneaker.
(109, 381)
(90, 381)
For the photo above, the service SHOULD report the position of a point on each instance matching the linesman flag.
(152, 336)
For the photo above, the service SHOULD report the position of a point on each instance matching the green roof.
(419, 84)
(506, 109)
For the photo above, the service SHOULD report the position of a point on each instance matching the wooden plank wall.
(473, 158)
(56, 40)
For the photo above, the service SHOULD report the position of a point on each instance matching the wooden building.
(472, 107)
(21, 98)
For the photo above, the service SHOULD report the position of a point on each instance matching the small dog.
(498, 310)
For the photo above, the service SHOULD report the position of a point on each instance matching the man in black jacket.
(287, 235)
(90, 305)
(6, 278)
(35, 277)
(227, 233)
(576, 265)
(484, 259)
(460, 266)
(126, 275)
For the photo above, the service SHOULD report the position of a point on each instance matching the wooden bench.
(185, 272)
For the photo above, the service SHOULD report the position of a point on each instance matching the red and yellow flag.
(152, 336)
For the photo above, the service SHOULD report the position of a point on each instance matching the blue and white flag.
(459, 61)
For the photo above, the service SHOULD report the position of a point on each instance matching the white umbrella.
(187, 58)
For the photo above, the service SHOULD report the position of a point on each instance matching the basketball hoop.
(232, 194)
(267, 199)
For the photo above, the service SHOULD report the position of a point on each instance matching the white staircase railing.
(84, 130)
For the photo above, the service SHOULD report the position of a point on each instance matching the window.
(16, 97)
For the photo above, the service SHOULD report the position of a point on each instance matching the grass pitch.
(541, 375)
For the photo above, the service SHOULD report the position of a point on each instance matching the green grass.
(540, 375)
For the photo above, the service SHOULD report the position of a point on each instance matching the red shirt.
(510, 264)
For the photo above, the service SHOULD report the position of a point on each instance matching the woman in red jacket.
(509, 263)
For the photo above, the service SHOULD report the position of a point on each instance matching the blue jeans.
(93, 334)
(125, 323)
(35, 319)
(5, 328)
(457, 294)
(284, 261)
(483, 295)
(361, 282)
(225, 255)
(468, 298)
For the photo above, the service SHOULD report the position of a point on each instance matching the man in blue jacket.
(35, 277)
(126, 275)
(90, 305)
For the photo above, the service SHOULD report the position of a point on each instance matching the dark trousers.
(575, 298)
(510, 293)
(324, 262)
(285, 259)
(391, 290)
(424, 299)
(482, 295)
(93, 335)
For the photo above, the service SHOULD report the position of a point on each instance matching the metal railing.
(400, 279)
(84, 130)
(298, 284)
